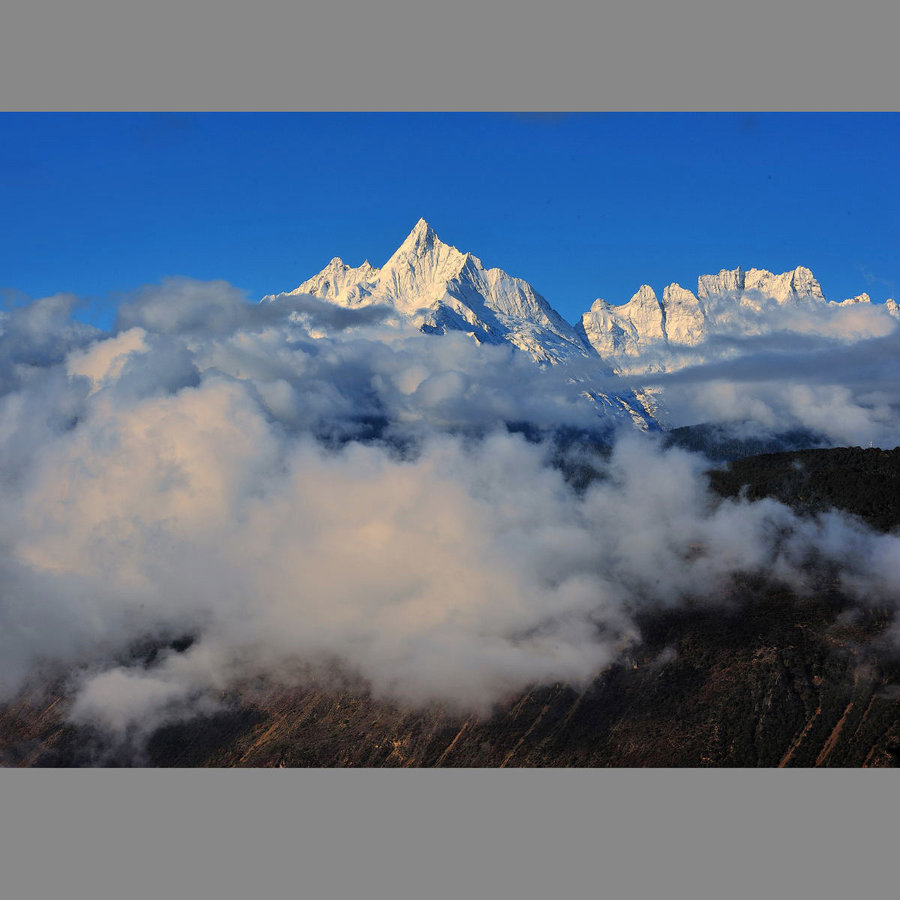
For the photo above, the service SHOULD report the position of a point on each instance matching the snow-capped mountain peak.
(440, 288)
(420, 240)
(728, 280)
(853, 301)
(437, 288)
(648, 334)
(340, 283)
(798, 283)
(790, 287)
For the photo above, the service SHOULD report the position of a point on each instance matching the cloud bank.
(832, 370)
(303, 489)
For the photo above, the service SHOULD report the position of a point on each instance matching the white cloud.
(835, 382)
(182, 477)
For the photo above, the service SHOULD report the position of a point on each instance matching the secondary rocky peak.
(675, 290)
(685, 317)
(644, 314)
(852, 301)
(337, 265)
(727, 280)
(639, 337)
(804, 283)
(792, 285)
(799, 283)
(339, 282)
(645, 296)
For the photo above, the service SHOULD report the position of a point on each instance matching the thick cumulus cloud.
(295, 492)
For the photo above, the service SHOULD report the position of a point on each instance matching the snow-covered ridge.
(438, 288)
(661, 334)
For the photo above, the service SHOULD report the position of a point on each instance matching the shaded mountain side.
(722, 444)
(755, 678)
(863, 482)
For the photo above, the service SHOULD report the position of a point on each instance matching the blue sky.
(581, 205)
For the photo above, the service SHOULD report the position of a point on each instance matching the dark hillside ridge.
(755, 678)
(721, 444)
(865, 483)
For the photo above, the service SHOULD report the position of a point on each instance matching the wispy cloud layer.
(831, 370)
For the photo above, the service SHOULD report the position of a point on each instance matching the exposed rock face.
(685, 316)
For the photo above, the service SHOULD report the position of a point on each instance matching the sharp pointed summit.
(422, 231)
(420, 241)
(439, 288)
